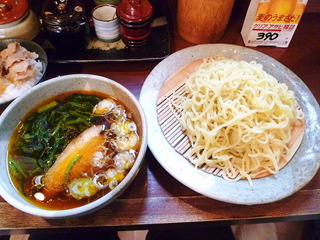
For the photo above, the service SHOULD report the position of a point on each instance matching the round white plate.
(299, 171)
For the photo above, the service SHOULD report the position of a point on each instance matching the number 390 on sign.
(267, 36)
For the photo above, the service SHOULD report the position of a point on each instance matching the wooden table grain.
(155, 199)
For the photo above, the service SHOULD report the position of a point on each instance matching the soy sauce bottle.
(65, 24)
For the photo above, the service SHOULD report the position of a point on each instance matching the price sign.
(272, 22)
(267, 36)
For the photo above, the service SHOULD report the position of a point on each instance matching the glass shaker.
(135, 18)
(65, 24)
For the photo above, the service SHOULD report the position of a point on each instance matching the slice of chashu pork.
(74, 161)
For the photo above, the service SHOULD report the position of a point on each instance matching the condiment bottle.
(135, 18)
(65, 24)
(17, 20)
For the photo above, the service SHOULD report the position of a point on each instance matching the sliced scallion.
(69, 167)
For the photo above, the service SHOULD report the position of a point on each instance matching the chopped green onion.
(82, 188)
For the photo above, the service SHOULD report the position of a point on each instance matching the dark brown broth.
(61, 200)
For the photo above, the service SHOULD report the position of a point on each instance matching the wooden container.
(203, 21)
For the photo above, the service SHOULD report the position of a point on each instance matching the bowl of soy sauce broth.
(70, 146)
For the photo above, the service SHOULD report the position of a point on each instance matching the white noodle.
(237, 117)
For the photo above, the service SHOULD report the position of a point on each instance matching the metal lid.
(62, 11)
(13, 10)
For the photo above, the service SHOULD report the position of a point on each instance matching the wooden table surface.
(155, 199)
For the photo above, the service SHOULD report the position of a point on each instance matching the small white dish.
(106, 23)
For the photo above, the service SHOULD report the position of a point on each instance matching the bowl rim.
(26, 206)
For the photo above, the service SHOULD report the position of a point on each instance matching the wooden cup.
(203, 21)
